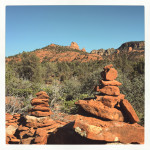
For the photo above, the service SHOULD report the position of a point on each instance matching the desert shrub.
(30, 68)
(16, 104)
(70, 107)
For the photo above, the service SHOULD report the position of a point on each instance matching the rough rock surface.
(74, 45)
(110, 83)
(128, 109)
(97, 108)
(110, 90)
(110, 131)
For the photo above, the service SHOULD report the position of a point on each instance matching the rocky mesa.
(57, 53)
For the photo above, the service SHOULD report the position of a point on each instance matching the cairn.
(41, 106)
(113, 118)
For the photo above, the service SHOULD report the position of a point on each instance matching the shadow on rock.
(66, 135)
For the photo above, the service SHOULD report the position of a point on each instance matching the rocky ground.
(107, 119)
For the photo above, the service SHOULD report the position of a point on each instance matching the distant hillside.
(53, 53)
(134, 50)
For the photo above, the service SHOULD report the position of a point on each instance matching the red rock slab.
(110, 90)
(43, 96)
(15, 141)
(41, 136)
(27, 140)
(110, 101)
(70, 118)
(12, 121)
(16, 115)
(11, 129)
(22, 128)
(109, 131)
(98, 97)
(128, 109)
(97, 108)
(46, 123)
(40, 113)
(11, 124)
(29, 133)
(40, 140)
(40, 132)
(108, 67)
(111, 74)
(53, 126)
(8, 116)
(41, 105)
(40, 93)
(110, 83)
(38, 108)
(36, 101)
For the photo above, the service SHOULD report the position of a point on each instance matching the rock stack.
(41, 106)
(115, 119)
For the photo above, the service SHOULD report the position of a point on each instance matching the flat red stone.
(110, 83)
(109, 131)
(128, 109)
(97, 108)
(110, 90)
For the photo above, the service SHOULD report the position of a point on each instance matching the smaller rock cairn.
(41, 106)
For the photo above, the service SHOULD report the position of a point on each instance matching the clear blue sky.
(92, 27)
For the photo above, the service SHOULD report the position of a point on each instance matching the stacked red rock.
(11, 127)
(111, 94)
(41, 106)
(117, 119)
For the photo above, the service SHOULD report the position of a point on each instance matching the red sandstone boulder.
(99, 109)
(22, 128)
(106, 68)
(128, 109)
(32, 121)
(109, 101)
(41, 136)
(40, 93)
(27, 140)
(8, 116)
(36, 101)
(110, 83)
(110, 90)
(40, 113)
(38, 108)
(98, 97)
(27, 133)
(43, 96)
(111, 74)
(14, 140)
(45, 104)
(110, 131)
